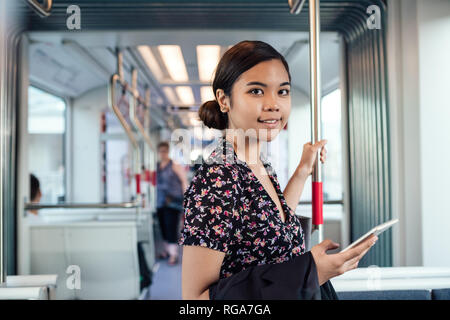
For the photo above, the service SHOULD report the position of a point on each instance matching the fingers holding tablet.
(355, 254)
(331, 265)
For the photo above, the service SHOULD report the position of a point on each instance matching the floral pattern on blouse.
(226, 208)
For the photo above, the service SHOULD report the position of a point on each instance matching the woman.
(236, 216)
(35, 192)
(171, 183)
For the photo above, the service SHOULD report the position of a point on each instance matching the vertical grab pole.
(151, 154)
(148, 152)
(133, 109)
(3, 114)
(119, 78)
(137, 159)
(317, 192)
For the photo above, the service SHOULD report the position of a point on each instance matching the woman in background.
(35, 192)
(171, 183)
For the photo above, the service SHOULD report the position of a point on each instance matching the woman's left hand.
(309, 156)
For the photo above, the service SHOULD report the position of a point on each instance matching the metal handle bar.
(36, 206)
(44, 10)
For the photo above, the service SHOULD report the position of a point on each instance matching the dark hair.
(236, 60)
(163, 144)
(34, 186)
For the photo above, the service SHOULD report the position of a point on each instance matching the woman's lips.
(272, 124)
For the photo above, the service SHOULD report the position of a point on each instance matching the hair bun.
(211, 115)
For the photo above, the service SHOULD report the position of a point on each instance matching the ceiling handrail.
(115, 79)
(137, 100)
(44, 10)
(296, 6)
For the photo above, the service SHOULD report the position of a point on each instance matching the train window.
(46, 134)
(332, 171)
(332, 131)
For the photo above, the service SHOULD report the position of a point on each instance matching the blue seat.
(386, 295)
(440, 294)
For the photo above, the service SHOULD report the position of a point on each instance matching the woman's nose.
(270, 104)
(271, 107)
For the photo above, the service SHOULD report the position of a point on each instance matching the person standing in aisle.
(171, 182)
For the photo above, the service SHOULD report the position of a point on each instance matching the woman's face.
(163, 153)
(261, 100)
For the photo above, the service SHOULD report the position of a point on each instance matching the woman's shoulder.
(221, 161)
(215, 171)
(214, 178)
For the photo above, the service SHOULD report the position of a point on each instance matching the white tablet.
(376, 231)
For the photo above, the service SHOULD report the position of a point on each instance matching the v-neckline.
(272, 180)
(162, 168)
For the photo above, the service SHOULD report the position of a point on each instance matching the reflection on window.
(46, 113)
(332, 131)
(46, 131)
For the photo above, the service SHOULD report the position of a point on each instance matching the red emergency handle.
(317, 203)
(138, 183)
(153, 177)
(147, 176)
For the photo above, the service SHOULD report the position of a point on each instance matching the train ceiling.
(186, 24)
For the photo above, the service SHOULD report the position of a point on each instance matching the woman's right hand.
(332, 265)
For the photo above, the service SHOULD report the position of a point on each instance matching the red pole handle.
(147, 175)
(138, 183)
(317, 203)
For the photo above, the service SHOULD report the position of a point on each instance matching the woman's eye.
(284, 92)
(256, 91)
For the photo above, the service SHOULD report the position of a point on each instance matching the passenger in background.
(35, 192)
(171, 182)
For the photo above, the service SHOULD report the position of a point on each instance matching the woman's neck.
(164, 162)
(247, 148)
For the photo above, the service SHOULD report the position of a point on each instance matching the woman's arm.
(181, 173)
(294, 188)
(200, 269)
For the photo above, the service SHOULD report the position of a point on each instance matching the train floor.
(166, 281)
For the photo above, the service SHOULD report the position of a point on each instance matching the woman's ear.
(223, 100)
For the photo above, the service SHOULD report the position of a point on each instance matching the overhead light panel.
(207, 59)
(174, 62)
(150, 60)
(168, 91)
(185, 94)
(206, 93)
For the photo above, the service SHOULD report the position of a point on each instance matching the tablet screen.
(376, 231)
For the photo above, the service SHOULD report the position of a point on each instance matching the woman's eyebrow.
(265, 85)
(252, 83)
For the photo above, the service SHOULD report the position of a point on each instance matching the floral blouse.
(226, 208)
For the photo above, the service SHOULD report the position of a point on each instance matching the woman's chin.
(268, 135)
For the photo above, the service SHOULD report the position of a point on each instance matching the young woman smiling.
(236, 215)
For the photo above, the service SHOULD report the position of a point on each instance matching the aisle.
(166, 281)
